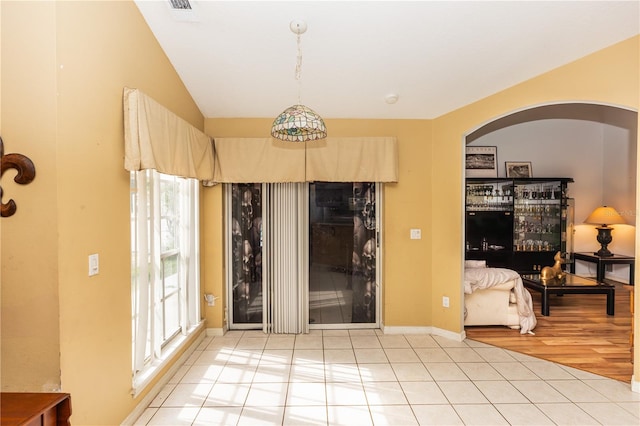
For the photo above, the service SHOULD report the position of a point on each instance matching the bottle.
(485, 245)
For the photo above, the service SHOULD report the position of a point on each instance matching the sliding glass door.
(342, 255)
(339, 249)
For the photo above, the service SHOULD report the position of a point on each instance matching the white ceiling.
(237, 58)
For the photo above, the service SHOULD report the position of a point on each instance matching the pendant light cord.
(299, 67)
(299, 79)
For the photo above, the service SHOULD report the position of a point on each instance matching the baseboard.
(391, 329)
(458, 337)
(635, 385)
(215, 332)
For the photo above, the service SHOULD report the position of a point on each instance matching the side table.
(35, 409)
(602, 262)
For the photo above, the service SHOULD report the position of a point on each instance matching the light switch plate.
(94, 264)
(416, 234)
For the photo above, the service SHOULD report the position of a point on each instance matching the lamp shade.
(298, 123)
(605, 216)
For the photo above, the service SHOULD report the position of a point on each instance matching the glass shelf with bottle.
(538, 212)
(541, 209)
(538, 191)
(489, 196)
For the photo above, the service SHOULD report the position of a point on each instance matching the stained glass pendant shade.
(298, 123)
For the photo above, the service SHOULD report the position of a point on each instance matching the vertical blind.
(286, 286)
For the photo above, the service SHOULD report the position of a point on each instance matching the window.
(164, 267)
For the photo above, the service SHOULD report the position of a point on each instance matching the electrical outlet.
(416, 234)
(445, 301)
(210, 299)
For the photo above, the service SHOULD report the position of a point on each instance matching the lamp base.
(604, 238)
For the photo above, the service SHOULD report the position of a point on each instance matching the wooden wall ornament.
(26, 173)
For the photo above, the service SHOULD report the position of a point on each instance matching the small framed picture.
(518, 169)
(481, 161)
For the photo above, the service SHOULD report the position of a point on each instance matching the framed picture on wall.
(481, 161)
(518, 169)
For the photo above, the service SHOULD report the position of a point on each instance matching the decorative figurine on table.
(555, 272)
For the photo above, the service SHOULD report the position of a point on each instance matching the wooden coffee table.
(573, 284)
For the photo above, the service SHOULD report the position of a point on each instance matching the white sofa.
(492, 306)
(496, 296)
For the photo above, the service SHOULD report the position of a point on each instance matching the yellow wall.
(406, 289)
(64, 66)
(30, 332)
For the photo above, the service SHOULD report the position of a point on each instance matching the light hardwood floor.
(578, 333)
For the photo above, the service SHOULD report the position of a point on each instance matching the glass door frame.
(378, 281)
(228, 254)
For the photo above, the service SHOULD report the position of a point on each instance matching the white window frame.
(151, 350)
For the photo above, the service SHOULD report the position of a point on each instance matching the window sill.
(180, 342)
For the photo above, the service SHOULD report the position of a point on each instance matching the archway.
(595, 144)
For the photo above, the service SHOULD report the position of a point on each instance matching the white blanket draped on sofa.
(481, 278)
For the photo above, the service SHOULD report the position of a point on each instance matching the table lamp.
(604, 216)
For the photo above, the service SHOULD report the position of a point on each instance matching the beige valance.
(258, 160)
(156, 138)
(373, 159)
(365, 159)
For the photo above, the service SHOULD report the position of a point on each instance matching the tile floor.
(364, 377)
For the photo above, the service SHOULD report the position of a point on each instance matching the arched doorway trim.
(581, 109)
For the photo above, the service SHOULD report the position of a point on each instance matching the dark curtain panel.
(363, 271)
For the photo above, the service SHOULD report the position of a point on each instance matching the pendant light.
(298, 123)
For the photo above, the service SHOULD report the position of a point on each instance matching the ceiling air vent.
(183, 10)
(180, 4)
